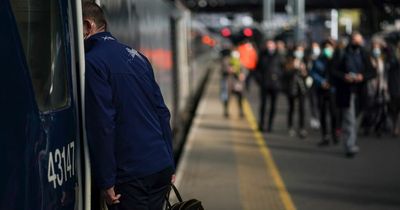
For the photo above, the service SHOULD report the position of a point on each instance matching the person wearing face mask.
(351, 73)
(375, 115)
(394, 87)
(315, 52)
(326, 93)
(127, 121)
(269, 69)
(295, 89)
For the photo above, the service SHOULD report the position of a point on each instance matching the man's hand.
(109, 195)
(359, 78)
(326, 86)
(173, 178)
(349, 78)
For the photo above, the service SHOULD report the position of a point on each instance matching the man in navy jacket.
(350, 73)
(127, 120)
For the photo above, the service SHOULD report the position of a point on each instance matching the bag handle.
(178, 196)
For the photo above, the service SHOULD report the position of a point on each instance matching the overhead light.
(248, 32)
(225, 32)
(202, 3)
(213, 3)
(191, 3)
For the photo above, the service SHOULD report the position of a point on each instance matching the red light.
(248, 32)
(225, 32)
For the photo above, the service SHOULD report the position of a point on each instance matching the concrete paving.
(323, 178)
(226, 167)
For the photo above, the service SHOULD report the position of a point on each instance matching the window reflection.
(41, 31)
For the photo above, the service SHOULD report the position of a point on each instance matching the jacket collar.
(97, 38)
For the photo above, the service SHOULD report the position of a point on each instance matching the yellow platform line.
(269, 161)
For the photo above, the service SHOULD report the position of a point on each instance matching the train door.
(38, 116)
(175, 73)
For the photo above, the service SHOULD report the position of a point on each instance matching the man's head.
(357, 39)
(271, 46)
(93, 19)
(328, 49)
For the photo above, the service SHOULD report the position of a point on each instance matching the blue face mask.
(376, 52)
(328, 52)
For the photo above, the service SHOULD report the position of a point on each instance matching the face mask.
(316, 51)
(328, 52)
(355, 46)
(235, 54)
(376, 52)
(299, 54)
(271, 51)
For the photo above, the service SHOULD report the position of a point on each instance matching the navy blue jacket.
(344, 64)
(320, 72)
(127, 121)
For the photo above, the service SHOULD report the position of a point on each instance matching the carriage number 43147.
(61, 166)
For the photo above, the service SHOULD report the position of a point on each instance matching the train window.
(41, 30)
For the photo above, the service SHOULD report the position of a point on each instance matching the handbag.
(191, 204)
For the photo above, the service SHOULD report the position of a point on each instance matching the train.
(46, 164)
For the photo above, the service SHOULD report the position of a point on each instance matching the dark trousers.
(239, 96)
(251, 76)
(272, 94)
(326, 103)
(312, 96)
(292, 100)
(394, 111)
(147, 193)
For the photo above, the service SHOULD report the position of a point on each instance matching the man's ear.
(88, 27)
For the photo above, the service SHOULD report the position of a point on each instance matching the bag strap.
(177, 193)
(178, 196)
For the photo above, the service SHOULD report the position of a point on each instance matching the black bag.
(192, 204)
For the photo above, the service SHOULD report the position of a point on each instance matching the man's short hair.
(91, 10)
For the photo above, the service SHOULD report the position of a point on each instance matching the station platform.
(228, 164)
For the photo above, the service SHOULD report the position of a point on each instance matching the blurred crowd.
(352, 87)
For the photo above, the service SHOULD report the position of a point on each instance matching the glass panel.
(41, 30)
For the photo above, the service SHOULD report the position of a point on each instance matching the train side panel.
(38, 123)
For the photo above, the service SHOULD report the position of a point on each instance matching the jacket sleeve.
(370, 71)
(337, 69)
(315, 74)
(100, 125)
(162, 111)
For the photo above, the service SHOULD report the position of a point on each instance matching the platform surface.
(228, 164)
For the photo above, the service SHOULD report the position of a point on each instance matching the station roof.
(213, 6)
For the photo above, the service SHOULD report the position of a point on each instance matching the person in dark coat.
(351, 72)
(269, 69)
(320, 73)
(295, 89)
(394, 88)
(127, 121)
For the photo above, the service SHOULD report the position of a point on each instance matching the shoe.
(315, 124)
(350, 154)
(226, 115)
(354, 149)
(260, 128)
(303, 133)
(335, 140)
(338, 133)
(396, 133)
(292, 132)
(324, 142)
